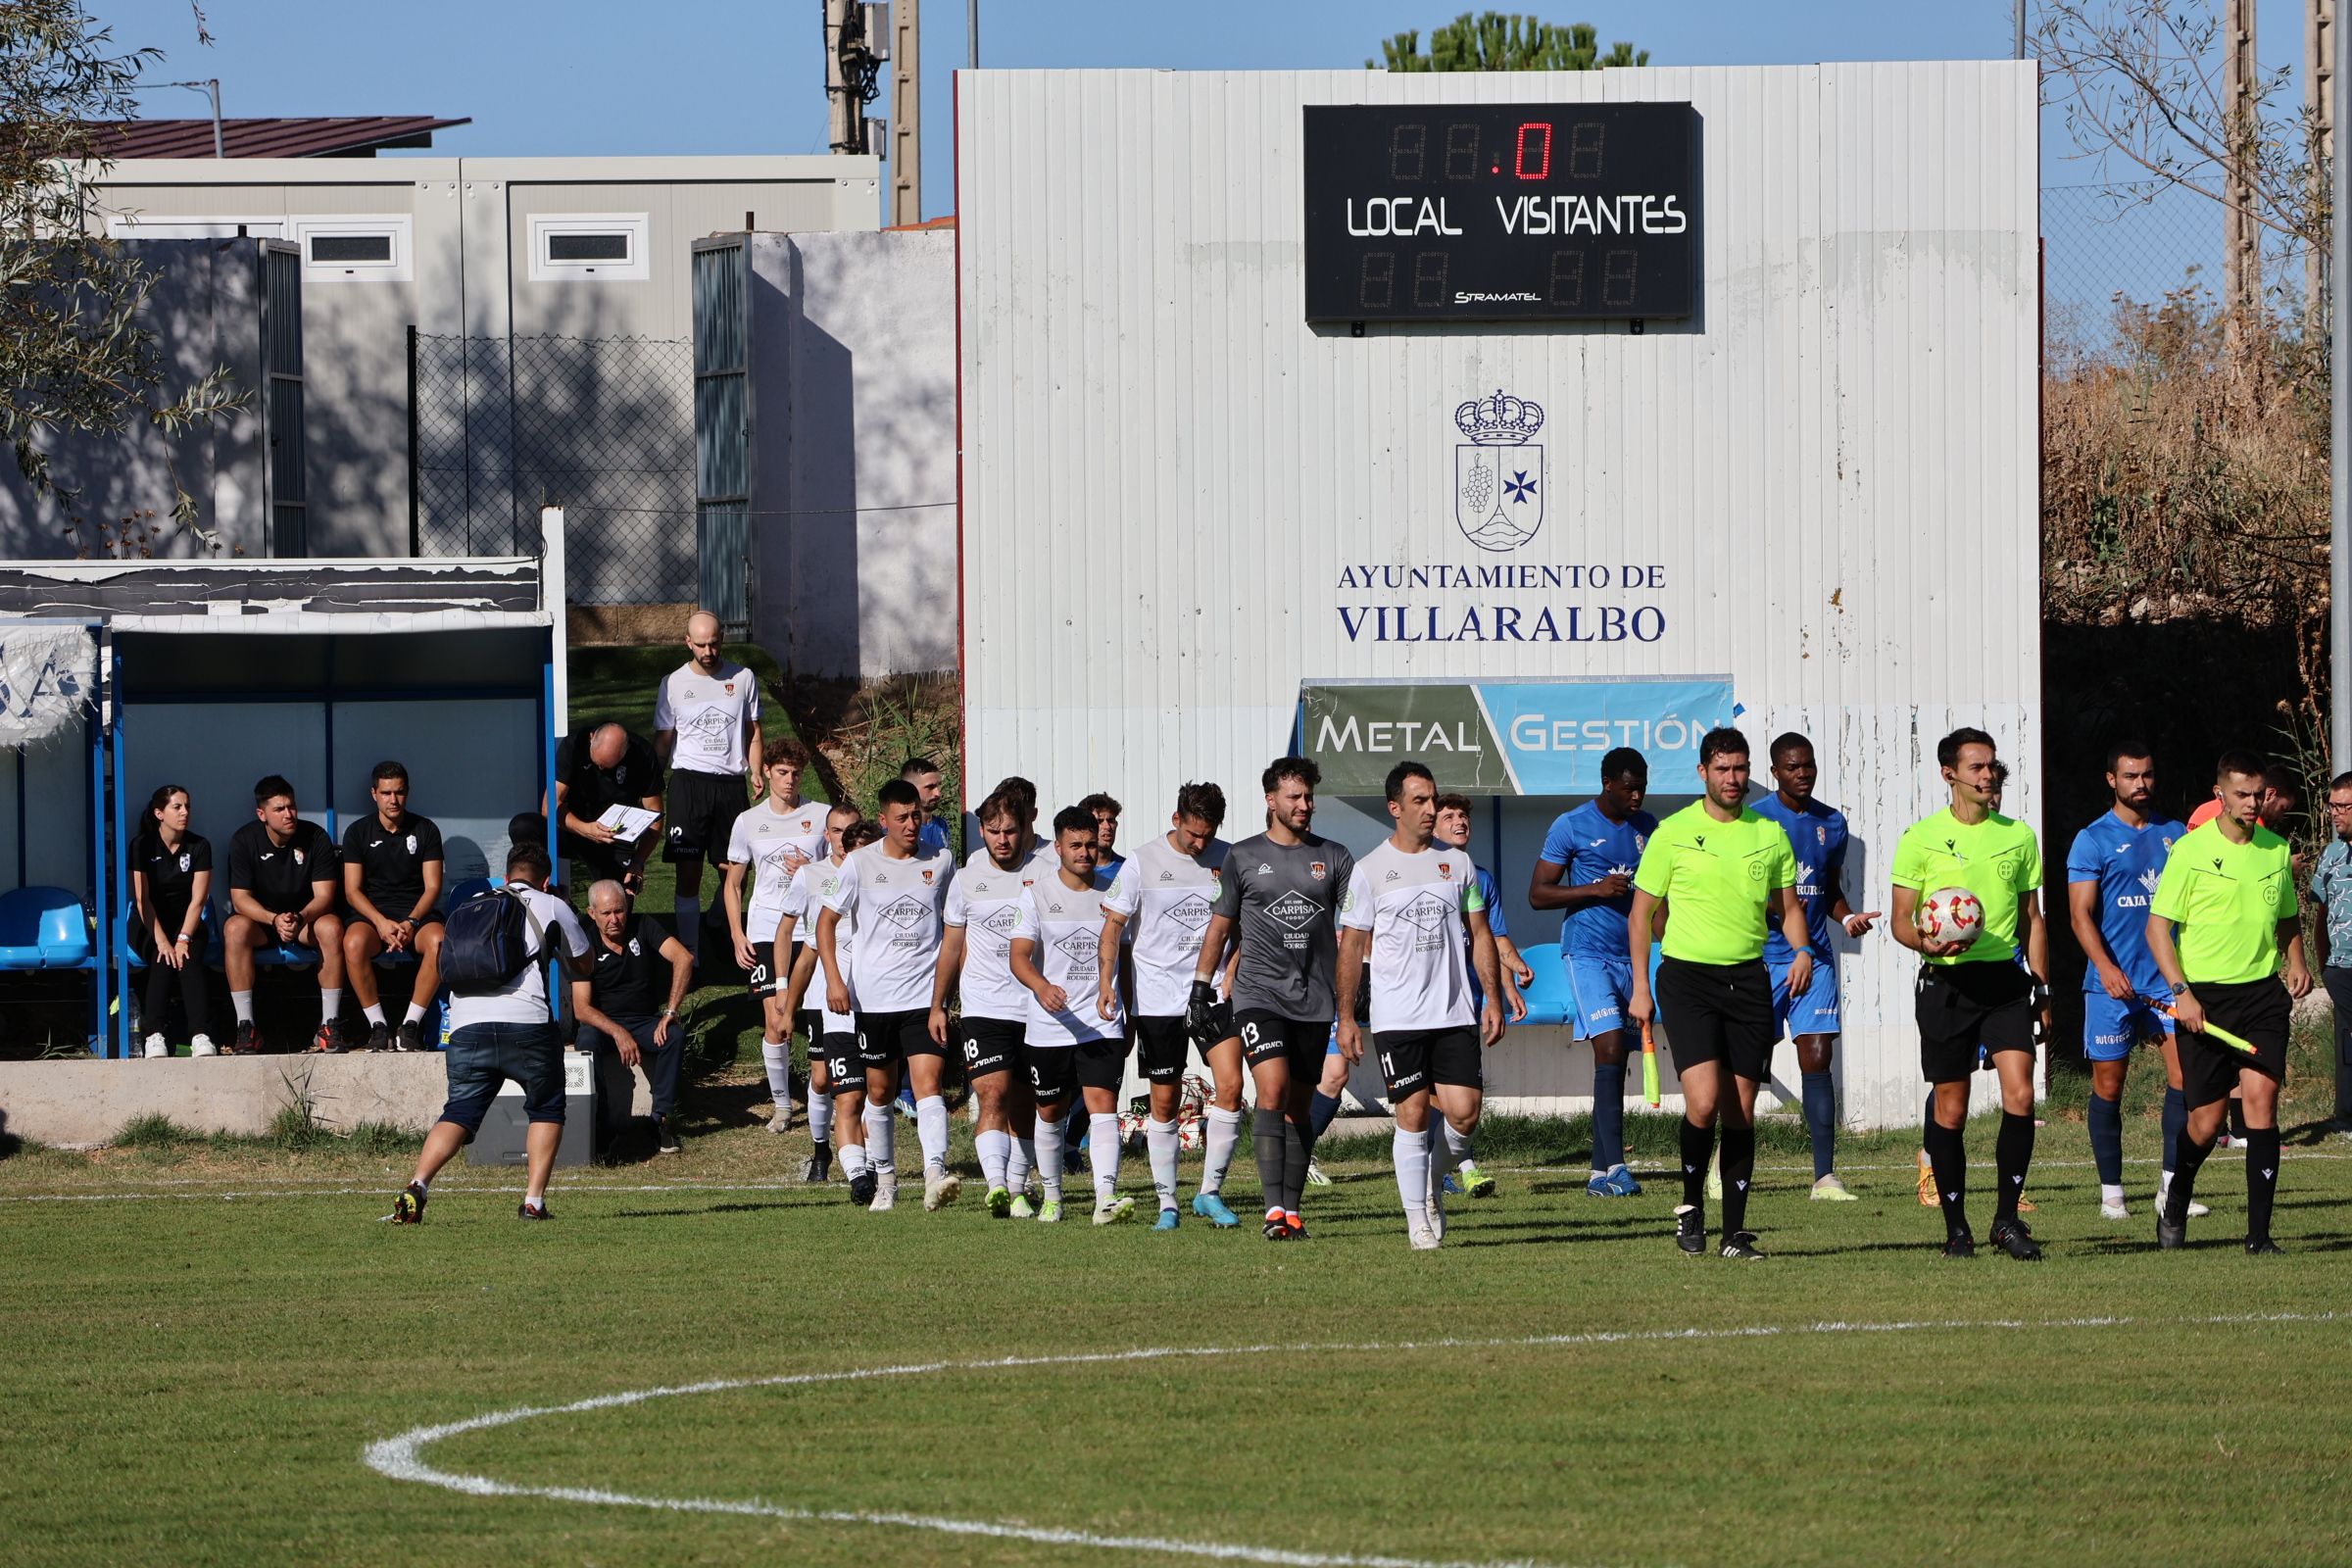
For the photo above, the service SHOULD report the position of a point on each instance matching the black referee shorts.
(1962, 1005)
(2258, 1012)
(702, 811)
(1720, 1012)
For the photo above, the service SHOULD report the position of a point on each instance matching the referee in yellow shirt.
(1720, 870)
(2224, 909)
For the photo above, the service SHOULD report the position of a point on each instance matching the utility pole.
(2319, 106)
(852, 70)
(971, 33)
(2339, 448)
(2241, 255)
(906, 112)
(2021, 28)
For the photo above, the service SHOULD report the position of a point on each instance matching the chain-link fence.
(2136, 242)
(603, 427)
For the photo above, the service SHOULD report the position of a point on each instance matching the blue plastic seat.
(1547, 999)
(43, 928)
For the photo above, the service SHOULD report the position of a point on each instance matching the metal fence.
(2136, 242)
(603, 427)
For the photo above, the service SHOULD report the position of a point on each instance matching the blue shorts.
(483, 1057)
(2111, 1029)
(1599, 989)
(1812, 1013)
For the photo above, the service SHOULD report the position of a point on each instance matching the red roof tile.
(339, 136)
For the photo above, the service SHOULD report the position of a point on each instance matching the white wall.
(1832, 468)
(854, 430)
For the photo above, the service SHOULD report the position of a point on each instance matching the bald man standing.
(706, 730)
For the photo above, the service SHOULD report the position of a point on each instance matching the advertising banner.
(1507, 738)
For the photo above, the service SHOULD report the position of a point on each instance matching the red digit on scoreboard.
(1541, 132)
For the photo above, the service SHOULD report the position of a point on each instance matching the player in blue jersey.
(2111, 875)
(1587, 869)
(1817, 833)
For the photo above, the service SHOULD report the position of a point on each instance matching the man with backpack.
(501, 1028)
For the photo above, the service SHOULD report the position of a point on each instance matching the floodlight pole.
(2339, 428)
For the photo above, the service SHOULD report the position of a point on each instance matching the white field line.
(401, 1457)
(294, 1187)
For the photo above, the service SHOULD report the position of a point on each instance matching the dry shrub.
(2184, 475)
(863, 731)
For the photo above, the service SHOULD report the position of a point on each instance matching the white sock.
(821, 1117)
(690, 924)
(853, 1160)
(534, 1200)
(777, 1059)
(995, 1149)
(1457, 1146)
(2111, 1192)
(415, 1014)
(878, 1148)
(375, 1012)
(1160, 1137)
(330, 1003)
(1224, 1136)
(1410, 1151)
(1022, 1161)
(1048, 1158)
(242, 1001)
(1102, 1153)
(931, 1131)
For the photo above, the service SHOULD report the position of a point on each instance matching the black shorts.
(1102, 1063)
(1963, 1005)
(885, 1039)
(809, 1024)
(1412, 1059)
(701, 812)
(845, 1070)
(762, 977)
(1052, 1071)
(1719, 1012)
(1269, 1037)
(2258, 1012)
(991, 1046)
(1161, 1042)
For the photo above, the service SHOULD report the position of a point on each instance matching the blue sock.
(2107, 1140)
(1320, 1113)
(2176, 1117)
(1608, 1116)
(1821, 1121)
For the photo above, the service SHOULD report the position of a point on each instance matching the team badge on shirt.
(184, 858)
(298, 859)
(412, 844)
(635, 951)
(1315, 869)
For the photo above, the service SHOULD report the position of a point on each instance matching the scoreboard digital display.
(1502, 212)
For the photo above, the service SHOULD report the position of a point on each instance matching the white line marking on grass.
(401, 1457)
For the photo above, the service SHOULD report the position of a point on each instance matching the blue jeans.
(483, 1057)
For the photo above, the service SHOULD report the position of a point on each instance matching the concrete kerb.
(83, 1103)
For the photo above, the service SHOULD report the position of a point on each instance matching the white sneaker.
(886, 1191)
(1115, 1211)
(1315, 1176)
(941, 1189)
(157, 1047)
(2113, 1209)
(2196, 1210)
(1418, 1230)
(202, 1046)
(781, 1121)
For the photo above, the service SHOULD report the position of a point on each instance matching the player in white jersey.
(1073, 1039)
(773, 839)
(984, 907)
(1035, 852)
(1160, 901)
(895, 894)
(836, 1077)
(1414, 911)
(706, 732)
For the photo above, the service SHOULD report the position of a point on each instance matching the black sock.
(1297, 1149)
(2192, 1159)
(2262, 1181)
(2012, 1152)
(1265, 1138)
(1738, 1171)
(2237, 1119)
(1949, 1159)
(1698, 1143)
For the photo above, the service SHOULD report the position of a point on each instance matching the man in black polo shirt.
(599, 766)
(392, 885)
(628, 1006)
(283, 888)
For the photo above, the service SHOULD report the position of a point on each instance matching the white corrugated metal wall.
(1166, 469)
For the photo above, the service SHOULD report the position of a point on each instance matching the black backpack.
(485, 942)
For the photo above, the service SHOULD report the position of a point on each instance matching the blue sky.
(598, 77)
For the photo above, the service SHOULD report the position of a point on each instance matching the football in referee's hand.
(1950, 916)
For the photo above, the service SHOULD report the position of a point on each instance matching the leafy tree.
(75, 359)
(1493, 42)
